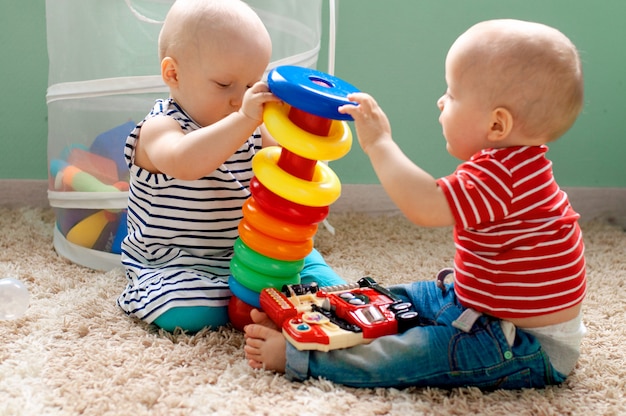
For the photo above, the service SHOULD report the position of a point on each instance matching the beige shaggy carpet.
(75, 353)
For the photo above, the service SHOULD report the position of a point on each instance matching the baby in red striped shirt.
(512, 316)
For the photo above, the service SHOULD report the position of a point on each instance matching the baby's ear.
(501, 124)
(169, 71)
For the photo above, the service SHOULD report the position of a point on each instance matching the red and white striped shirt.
(519, 248)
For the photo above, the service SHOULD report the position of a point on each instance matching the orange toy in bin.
(102, 168)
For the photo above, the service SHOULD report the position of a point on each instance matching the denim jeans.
(436, 354)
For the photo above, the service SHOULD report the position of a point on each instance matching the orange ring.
(273, 247)
(322, 190)
(299, 141)
(273, 226)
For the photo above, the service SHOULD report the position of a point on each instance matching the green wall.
(393, 49)
(23, 82)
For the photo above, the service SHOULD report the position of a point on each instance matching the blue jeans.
(436, 354)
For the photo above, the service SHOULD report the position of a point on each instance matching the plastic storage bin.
(103, 78)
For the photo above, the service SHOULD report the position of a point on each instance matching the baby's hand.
(370, 120)
(253, 100)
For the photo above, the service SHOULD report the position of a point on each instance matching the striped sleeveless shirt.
(181, 233)
(519, 248)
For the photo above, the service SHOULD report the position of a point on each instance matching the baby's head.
(192, 23)
(532, 70)
(211, 51)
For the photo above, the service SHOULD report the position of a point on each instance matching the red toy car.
(340, 316)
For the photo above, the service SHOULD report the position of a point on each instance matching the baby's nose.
(235, 101)
(440, 102)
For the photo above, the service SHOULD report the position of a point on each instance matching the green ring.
(256, 281)
(264, 264)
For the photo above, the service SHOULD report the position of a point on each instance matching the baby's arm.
(163, 146)
(414, 191)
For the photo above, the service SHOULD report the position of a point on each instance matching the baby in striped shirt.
(190, 164)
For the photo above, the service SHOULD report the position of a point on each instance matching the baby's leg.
(192, 318)
(316, 270)
(265, 344)
(174, 298)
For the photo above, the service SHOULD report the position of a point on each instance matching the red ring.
(273, 226)
(280, 207)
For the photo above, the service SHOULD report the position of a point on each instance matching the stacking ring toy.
(323, 190)
(312, 91)
(291, 189)
(299, 141)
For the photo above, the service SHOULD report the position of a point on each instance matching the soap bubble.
(14, 298)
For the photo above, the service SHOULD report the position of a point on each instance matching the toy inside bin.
(101, 230)
(88, 191)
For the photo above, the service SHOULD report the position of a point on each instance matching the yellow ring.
(311, 146)
(321, 191)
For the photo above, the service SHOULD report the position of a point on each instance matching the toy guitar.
(339, 316)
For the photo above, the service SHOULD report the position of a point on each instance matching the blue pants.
(436, 355)
(194, 318)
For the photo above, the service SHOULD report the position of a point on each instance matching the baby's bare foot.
(265, 347)
(261, 318)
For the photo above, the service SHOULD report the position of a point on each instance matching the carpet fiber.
(75, 352)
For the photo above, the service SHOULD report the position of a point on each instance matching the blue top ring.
(310, 90)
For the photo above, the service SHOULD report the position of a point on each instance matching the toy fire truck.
(341, 316)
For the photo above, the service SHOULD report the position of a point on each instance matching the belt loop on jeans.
(441, 277)
(465, 322)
